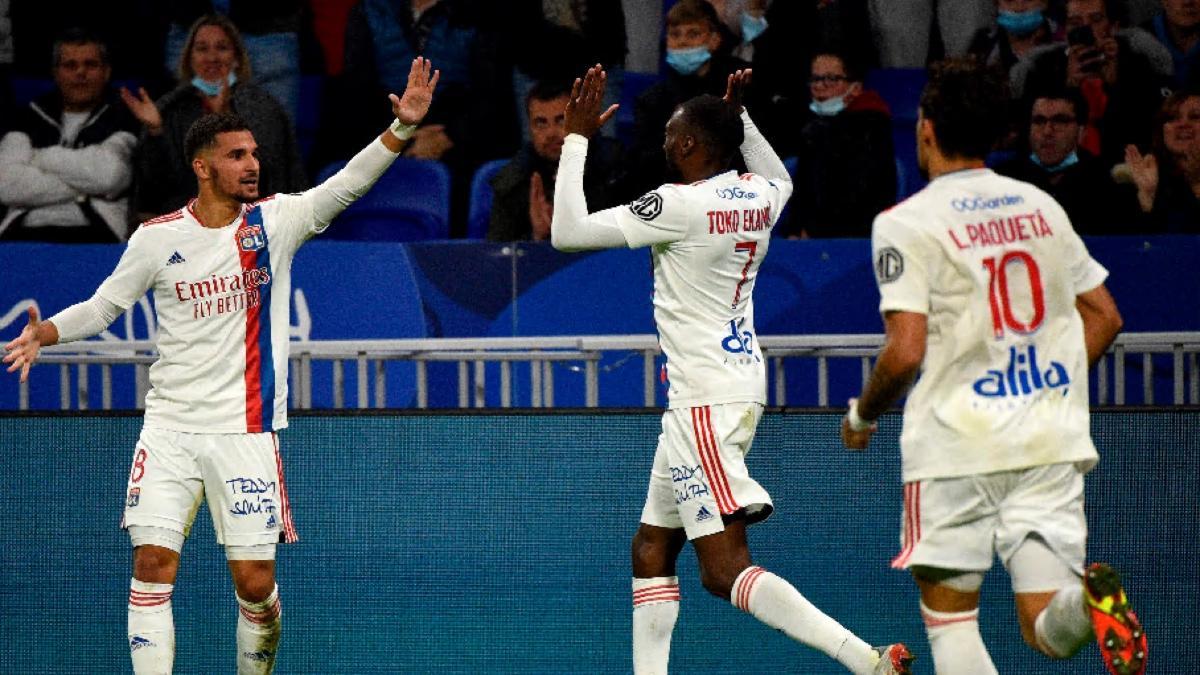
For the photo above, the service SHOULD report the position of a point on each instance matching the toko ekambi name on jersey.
(1001, 230)
(1022, 376)
(739, 220)
(235, 292)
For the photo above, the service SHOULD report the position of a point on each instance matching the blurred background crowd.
(95, 99)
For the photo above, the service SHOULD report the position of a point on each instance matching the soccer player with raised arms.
(220, 270)
(708, 236)
(987, 290)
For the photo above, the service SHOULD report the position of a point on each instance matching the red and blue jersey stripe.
(260, 362)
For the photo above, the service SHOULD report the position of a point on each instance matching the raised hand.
(735, 88)
(23, 350)
(583, 114)
(1144, 169)
(541, 211)
(412, 107)
(144, 109)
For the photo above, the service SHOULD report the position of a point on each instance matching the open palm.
(412, 107)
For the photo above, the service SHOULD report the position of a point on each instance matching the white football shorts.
(241, 475)
(960, 523)
(700, 472)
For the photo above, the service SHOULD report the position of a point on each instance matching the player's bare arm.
(1101, 321)
(22, 351)
(410, 108)
(583, 115)
(898, 363)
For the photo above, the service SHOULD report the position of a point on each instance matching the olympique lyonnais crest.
(251, 238)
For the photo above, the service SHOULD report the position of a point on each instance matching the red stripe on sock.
(748, 579)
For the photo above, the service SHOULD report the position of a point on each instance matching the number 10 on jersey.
(999, 298)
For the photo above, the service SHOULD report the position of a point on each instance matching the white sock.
(957, 646)
(655, 608)
(778, 604)
(151, 628)
(1064, 627)
(258, 629)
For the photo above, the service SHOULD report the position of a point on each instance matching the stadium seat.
(308, 116)
(480, 210)
(789, 163)
(409, 202)
(25, 89)
(900, 87)
(632, 86)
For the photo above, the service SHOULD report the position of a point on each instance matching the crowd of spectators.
(1105, 110)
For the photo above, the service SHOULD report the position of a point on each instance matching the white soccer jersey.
(996, 267)
(222, 300)
(707, 240)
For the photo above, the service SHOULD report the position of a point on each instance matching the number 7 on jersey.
(750, 247)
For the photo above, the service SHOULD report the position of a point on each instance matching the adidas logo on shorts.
(703, 515)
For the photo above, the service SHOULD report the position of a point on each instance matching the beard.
(240, 192)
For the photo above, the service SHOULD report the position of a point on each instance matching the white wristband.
(401, 130)
(855, 421)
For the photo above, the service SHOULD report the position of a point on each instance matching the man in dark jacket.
(699, 63)
(1122, 87)
(523, 190)
(1072, 175)
(846, 163)
(65, 167)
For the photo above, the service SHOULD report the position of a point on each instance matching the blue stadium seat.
(999, 157)
(25, 89)
(789, 163)
(900, 87)
(308, 116)
(632, 86)
(409, 202)
(480, 210)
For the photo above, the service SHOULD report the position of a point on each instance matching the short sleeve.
(1085, 272)
(134, 274)
(900, 255)
(289, 220)
(657, 217)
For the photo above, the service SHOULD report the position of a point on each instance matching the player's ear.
(687, 145)
(200, 168)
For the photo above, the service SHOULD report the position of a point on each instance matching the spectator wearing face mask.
(846, 167)
(698, 62)
(1054, 162)
(214, 77)
(1021, 25)
(1120, 73)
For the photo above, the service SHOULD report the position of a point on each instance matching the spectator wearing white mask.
(846, 166)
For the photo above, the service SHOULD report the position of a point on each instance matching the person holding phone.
(1115, 69)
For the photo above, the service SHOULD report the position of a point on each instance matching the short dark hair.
(547, 90)
(1069, 94)
(694, 11)
(203, 133)
(1113, 9)
(715, 123)
(850, 64)
(967, 102)
(77, 36)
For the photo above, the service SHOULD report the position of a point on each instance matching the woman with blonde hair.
(214, 76)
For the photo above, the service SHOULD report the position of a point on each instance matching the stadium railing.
(369, 359)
